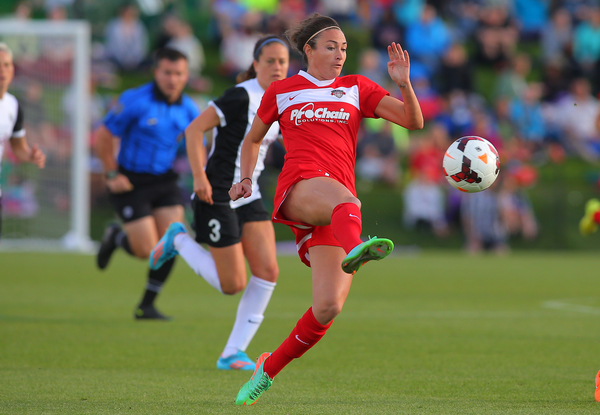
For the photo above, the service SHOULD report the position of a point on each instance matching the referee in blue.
(149, 121)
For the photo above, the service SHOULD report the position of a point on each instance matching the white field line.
(567, 305)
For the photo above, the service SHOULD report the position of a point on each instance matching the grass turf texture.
(438, 333)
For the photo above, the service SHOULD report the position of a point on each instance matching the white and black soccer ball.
(471, 164)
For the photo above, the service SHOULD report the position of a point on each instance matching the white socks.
(253, 303)
(198, 258)
(250, 312)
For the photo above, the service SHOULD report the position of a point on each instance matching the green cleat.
(373, 249)
(259, 382)
(587, 225)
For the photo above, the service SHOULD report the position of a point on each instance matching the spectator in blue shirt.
(526, 115)
(531, 16)
(586, 42)
(428, 39)
(150, 121)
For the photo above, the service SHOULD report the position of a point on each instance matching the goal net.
(49, 209)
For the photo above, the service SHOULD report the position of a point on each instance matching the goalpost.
(49, 209)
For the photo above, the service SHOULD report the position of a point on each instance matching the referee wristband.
(111, 174)
(246, 178)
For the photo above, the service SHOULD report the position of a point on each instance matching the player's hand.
(399, 64)
(37, 156)
(120, 184)
(239, 190)
(203, 189)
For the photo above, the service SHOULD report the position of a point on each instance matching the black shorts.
(149, 192)
(219, 225)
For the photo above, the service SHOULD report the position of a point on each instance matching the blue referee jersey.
(149, 127)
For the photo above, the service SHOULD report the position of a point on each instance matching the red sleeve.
(268, 111)
(370, 95)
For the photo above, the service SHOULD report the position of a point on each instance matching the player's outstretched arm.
(194, 142)
(408, 113)
(21, 149)
(248, 157)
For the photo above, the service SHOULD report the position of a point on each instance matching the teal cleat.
(164, 249)
(238, 361)
(373, 249)
(587, 225)
(259, 382)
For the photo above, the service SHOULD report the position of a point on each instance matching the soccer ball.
(471, 164)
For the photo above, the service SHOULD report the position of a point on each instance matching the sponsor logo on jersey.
(309, 113)
(338, 93)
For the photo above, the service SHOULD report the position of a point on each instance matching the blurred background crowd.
(525, 74)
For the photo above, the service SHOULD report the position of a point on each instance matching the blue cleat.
(238, 361)
(373, 249)
(164, 249)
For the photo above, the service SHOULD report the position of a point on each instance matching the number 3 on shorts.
(215, 235)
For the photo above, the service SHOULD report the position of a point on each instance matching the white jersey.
(236, 109)
(11, 121)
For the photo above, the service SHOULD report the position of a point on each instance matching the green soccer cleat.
(587, 225)
(259, 382)
(373, 249)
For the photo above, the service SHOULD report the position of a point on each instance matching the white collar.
(314, 80)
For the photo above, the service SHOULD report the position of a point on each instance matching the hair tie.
(322, 30)
(273, 39)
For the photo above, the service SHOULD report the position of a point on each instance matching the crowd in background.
(525, 74)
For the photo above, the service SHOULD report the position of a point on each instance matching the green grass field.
(436, 333)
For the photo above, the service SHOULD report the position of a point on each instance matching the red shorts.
(306, 235)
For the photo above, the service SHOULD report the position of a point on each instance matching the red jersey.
(319, 120)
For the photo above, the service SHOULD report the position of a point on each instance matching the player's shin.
(250, 314)
(198, 258)
(306, 334)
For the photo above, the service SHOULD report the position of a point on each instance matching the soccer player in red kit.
(319, 115)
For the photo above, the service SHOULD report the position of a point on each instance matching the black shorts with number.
(149, 192)
(219, 225)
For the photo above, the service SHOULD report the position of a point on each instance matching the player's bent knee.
(142, 253)
(267, 273)
(233, 287)
(325, 313)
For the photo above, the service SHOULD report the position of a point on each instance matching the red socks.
(597, 217)
(346, 224)
(306, 334)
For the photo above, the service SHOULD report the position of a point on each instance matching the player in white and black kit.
(11, 119)
(232, 230)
